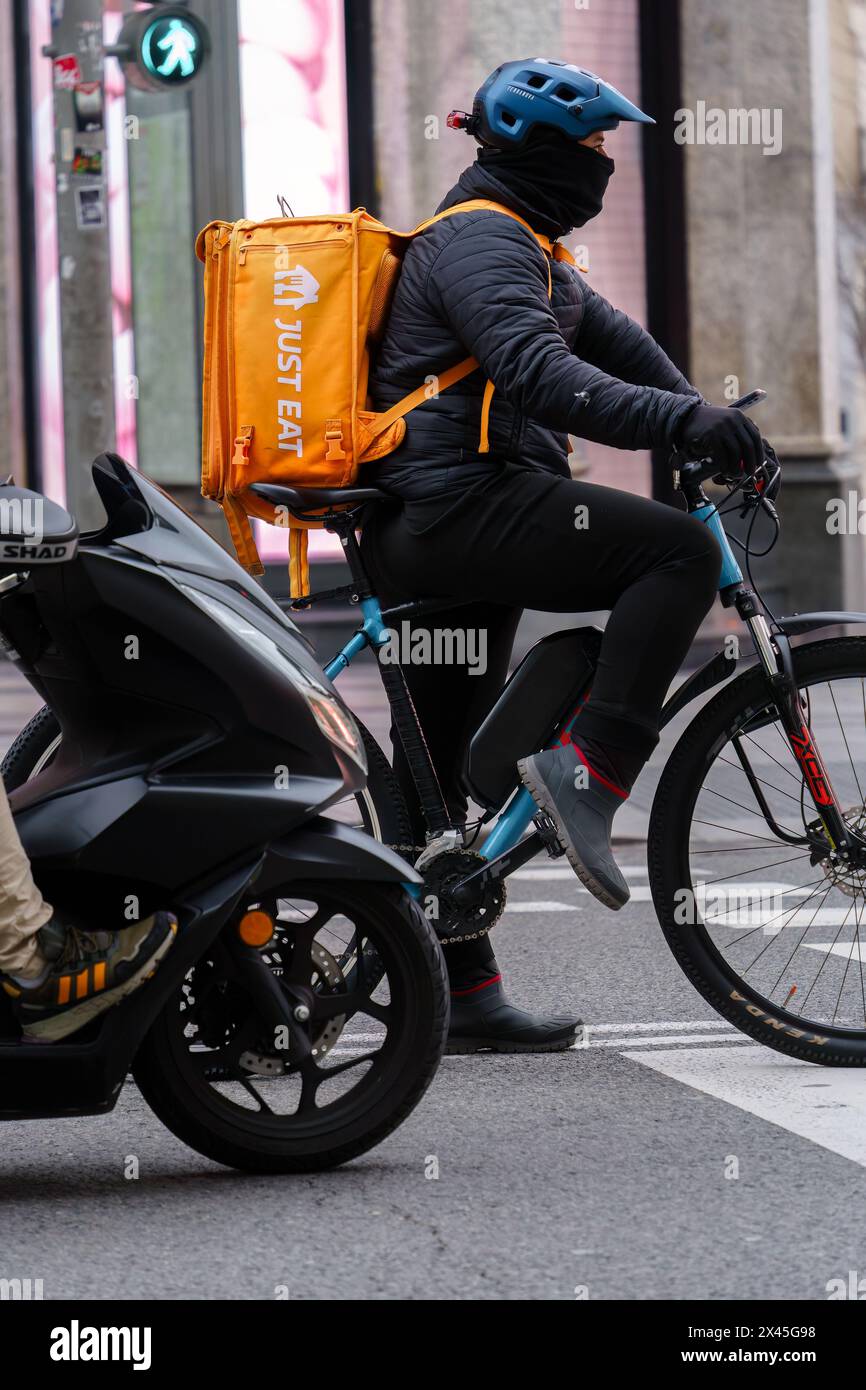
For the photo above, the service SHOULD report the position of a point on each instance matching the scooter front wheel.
(369, 966)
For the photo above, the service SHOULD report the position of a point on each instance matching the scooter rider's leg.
(59, 975)
(23, 910)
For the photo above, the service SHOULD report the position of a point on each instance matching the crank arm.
(498, 868)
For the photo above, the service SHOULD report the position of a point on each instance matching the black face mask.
(553, 176)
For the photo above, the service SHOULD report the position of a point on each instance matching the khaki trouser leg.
(23, 910)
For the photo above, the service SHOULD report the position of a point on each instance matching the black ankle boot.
(482, 1018)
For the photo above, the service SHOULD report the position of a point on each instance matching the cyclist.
(506, 526)
(57, 975)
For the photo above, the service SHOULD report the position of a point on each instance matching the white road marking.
(541, 907)
(801, 917)
(691, 1031)
(664, 1039)
(827, 1107)
(353, 1042)
(658, 1027)
(839, 948)
(565, 871)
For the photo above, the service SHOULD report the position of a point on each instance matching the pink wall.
(605, 39)
(295, 142)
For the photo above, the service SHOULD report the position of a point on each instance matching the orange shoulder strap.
(462, 369)
(475, 204)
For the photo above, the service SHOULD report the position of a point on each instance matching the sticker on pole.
(67, 73)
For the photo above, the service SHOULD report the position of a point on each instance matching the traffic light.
(162, 47)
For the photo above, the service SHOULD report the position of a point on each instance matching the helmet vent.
(536, 80)
(565, 93)
(508, 118)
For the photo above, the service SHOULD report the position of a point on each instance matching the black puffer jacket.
(476, 284)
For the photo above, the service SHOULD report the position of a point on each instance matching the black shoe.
(483, 1019)
(582, 817)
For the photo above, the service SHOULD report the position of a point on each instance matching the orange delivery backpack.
(293, 308)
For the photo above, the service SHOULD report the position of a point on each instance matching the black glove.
(726, 436)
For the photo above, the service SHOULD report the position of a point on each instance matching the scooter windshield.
(143, 518)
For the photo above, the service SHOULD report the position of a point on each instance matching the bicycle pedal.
(547, 832)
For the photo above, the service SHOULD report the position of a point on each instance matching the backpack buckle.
(334, 439)
(241, 455)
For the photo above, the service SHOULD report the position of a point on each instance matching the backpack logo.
(295, 288)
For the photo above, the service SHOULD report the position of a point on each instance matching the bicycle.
(807, 1002)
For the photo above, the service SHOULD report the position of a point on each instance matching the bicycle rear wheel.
(769, 931)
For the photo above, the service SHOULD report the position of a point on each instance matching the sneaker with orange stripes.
(87, 972)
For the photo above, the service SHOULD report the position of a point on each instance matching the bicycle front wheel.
(770, 930)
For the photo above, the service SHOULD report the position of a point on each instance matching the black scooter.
(302, 1010)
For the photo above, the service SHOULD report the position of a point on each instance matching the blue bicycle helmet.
(532, 92)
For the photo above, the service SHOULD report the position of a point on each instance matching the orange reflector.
(255, 928)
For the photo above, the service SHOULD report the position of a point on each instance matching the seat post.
(343, 525)
(403, 712)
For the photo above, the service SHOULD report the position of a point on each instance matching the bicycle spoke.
(827, 956)
(768, 754)
(845, 740)
(771, 785)
(734, 831)
(789, 912)
(775, 865)
(787, 964)
(855, 941)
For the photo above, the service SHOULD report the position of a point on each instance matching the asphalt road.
(668, 1158)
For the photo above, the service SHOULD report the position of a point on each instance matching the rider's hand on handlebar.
(726, 436)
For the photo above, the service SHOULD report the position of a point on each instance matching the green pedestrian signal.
(162, 47)
(176, 44)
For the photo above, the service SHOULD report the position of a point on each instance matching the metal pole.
(83, 247)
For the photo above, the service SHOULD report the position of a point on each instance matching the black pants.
(526, 539)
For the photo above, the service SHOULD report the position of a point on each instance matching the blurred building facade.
(744, 256)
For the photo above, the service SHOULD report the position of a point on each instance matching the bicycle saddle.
(310, 499)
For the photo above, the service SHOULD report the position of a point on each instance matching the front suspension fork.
(774, 654)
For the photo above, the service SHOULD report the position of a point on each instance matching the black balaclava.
(554, 177)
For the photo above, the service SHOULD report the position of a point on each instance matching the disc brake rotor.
(327, 971)
(841, 873)
(220, 1009)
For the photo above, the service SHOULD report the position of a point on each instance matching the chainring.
(454, 922)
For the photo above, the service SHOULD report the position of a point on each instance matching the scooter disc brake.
(330, 975)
